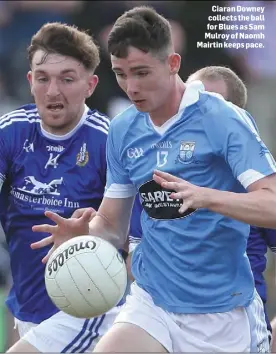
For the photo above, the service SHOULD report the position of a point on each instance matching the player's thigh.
(273, 337)
(22, 346)
(66, 334)
(141, 322)
(23, 327)
(128, 338)
(238, 330)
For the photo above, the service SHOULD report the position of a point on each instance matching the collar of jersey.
(190, 96)
(69, 134)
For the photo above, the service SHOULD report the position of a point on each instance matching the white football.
(86, 277)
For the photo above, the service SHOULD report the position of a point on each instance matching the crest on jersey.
(82, 156)
(186, 152)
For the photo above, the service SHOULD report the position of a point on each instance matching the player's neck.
(171, 106)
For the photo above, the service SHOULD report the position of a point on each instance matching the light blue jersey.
(194, 263)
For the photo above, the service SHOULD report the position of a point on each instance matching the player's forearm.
(255, 208)
(100, 226)
(112, 220)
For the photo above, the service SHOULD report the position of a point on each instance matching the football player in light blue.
(202, 180)
(223, 80)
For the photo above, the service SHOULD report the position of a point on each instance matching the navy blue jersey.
(40, 172)
(210, 143)
(258, 242)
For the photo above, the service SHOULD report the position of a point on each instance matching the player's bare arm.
(111, 222)
(257, 207)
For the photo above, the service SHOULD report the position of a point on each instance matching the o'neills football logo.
(157, 203)
(62, 257)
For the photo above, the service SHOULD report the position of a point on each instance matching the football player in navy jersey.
(202, 181)
(52, 157)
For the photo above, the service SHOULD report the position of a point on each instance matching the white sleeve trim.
(120, 191)
(250, 176)
(2, 179)
(133, 243)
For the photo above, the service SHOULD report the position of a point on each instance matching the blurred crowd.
(19, 20)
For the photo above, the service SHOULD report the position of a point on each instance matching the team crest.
(82, 156)
(186, 152)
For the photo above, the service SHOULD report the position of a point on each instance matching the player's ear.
(174, 63)
(29, 78)
(92, 83)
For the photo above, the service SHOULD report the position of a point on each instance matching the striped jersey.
(41, 171)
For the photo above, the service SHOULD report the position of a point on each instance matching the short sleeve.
(233, 135)
(118, 183)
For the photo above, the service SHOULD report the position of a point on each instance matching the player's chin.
(55, 114)
(55, 119)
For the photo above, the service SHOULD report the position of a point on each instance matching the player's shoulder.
(123, 120)
(215, 108)
(20, 118)
(97, 122)
(212, 103)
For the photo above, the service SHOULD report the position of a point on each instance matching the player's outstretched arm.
(111, 222)
(257, 207)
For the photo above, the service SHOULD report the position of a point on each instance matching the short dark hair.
(143, 28)
(65, 40)
(236, 89)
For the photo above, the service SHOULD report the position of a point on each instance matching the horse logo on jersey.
(82, 156)
(186, 152)
(32, 186)
(157, 203)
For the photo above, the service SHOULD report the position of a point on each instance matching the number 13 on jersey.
(162, 158)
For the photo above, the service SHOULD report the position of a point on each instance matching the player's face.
(145, 79)
(60, 85)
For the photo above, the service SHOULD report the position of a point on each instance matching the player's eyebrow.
(134, 68)
(65, 71)
(139, 67)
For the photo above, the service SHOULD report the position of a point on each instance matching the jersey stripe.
(13, 120)
(104, 130)
(92, 119)
(102, 116)
(18, 113)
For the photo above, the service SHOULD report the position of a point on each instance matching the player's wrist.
(209, 198)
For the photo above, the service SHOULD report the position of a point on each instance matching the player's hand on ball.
(193, 196)
(64, 229)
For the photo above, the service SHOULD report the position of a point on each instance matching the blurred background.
(19, 20)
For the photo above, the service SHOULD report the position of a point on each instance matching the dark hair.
(236, 89)
(143, 28)
(65, 40)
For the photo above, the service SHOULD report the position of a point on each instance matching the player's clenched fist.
(193, 196)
